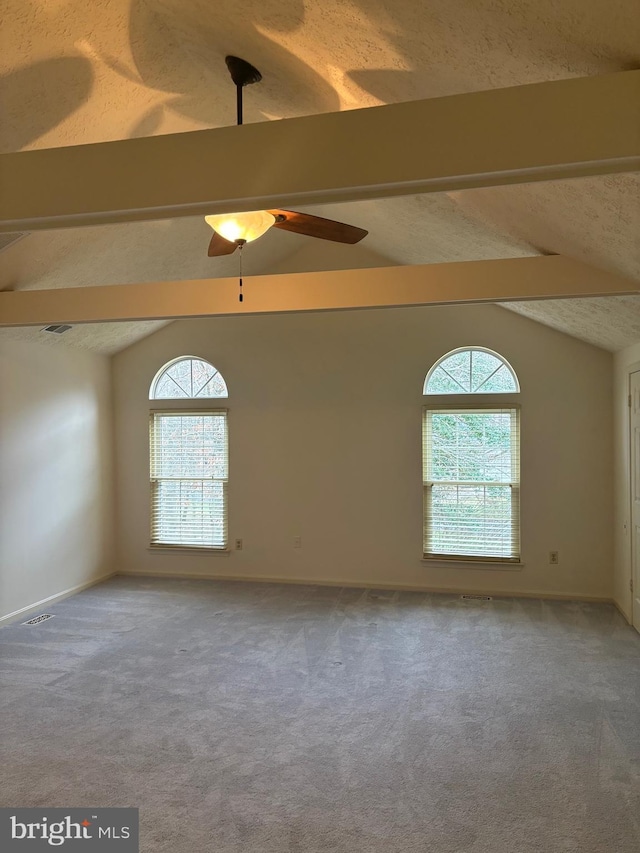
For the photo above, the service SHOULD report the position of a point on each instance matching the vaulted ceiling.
(76, 72)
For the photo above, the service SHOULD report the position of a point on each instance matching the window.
(471, 370)
(471, 459)
(187, 378)
(189, 458)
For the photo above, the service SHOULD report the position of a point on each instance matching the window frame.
(169, 364)
(471, 350)
(178, 412)
(474, 402)
(188, 406)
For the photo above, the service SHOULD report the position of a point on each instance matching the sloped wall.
(325, 419)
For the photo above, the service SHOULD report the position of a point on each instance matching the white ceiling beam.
(543, 131)
(512, 279)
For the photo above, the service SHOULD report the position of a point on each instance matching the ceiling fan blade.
(220, 246)
(316, 226)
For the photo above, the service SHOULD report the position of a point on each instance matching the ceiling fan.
(233, 230)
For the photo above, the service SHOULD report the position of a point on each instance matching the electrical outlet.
(238, 544)
(554, 558)
(297, 541)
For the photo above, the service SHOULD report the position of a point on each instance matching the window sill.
(188, 549)
(488, 565)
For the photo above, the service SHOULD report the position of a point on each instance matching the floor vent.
(38, 619)
(476, 598)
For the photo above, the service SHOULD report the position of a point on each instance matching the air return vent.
(56, 330)
(38, 619)
(476, 598)
(7, 240)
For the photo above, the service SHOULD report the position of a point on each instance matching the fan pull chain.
(239, 102)
(240, 243)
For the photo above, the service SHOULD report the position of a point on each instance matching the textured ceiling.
(611, 322)
(79, 72)
(101, 338)
(74, 72)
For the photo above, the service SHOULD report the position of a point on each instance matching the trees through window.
(471, 371)
(188, 378)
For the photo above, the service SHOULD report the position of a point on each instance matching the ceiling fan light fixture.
(242, 227)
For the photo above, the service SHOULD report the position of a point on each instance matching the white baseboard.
(372, 585)
(57, 597)
(310, 582)
(625, 616)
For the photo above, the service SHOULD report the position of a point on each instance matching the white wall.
(56, 506)
(325, 419)
(623, 360)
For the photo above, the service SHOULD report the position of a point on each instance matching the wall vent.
(476, 598)
(56, 330)
(7, 240)
(38, 619)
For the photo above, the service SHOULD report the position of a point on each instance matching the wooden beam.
(512, 279)
(543, 131)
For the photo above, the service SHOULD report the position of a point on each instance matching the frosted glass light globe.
(246, 226)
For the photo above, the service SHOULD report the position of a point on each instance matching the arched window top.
(471, 370)
(187, 378)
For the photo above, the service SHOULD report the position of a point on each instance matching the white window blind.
(189, 474)
(471, 479)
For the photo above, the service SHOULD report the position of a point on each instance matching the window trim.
(465, 402)
(187, 410)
